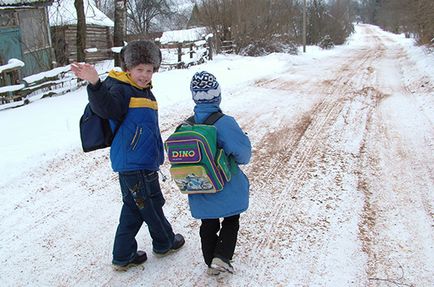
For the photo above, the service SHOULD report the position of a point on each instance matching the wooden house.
(63, 23)
(149, 36)
(25, 35)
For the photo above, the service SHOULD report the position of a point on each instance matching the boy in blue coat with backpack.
(219, 237)
(136, 153)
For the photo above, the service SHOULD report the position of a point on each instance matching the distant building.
(149, 36)
(63, 23)
(183, 36)
(25, 35)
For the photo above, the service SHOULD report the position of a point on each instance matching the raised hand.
(85, 71)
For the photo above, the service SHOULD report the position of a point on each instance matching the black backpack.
(95, 132)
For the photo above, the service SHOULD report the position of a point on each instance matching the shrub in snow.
(326, 42)
(262, 47)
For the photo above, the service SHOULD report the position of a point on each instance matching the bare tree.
(248, 22)
(107, 7)
(340, 24)
(120, 26)
(369, 10)
(141, 13)
(318, 19)
(411, 17)
(81, 30)
(195, 20)
(424, 21)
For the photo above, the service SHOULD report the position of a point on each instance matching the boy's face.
(141, 74)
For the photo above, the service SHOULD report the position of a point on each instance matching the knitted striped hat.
(205, 88)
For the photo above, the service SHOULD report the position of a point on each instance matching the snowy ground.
(342, 176)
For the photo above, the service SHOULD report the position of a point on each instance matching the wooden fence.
(187, 54)
(227, 47)
(55, 82)
(15, 92)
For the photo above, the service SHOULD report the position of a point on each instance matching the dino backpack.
(198, 165)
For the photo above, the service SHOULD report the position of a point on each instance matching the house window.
(8, 18)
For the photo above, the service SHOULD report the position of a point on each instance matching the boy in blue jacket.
(136, 153)
(218, 239)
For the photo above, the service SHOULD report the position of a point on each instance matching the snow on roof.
(21, 2)
(63, 13)
(12, 63)
(11, 88)
(179, 36)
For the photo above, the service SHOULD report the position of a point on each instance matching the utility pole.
(304, 26)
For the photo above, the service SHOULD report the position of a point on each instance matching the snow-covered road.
(342, 187)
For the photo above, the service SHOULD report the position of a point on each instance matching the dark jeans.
(142, 202)
(219, 244)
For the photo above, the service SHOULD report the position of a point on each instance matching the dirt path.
(334, 173)
(342, 184)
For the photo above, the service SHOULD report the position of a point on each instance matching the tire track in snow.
(395, 185)
(294, 158)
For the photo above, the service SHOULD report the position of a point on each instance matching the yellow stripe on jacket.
(143, 103)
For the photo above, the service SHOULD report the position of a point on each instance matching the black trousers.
(219, 244)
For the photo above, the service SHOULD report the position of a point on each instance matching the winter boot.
(140, 258)
(178, 242)
(223, 265)
(212, 271)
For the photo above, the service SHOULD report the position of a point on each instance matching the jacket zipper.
(136, 138)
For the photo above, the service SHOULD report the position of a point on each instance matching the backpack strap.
(209, 121)
(213, 118)
(190, 120)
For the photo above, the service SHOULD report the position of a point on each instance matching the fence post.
(9, 77)
(179, 52)
(209, 41)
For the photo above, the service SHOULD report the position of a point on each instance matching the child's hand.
(85, 72)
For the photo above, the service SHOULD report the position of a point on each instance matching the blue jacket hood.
(202, 111)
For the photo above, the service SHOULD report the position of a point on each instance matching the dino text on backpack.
(197, 164)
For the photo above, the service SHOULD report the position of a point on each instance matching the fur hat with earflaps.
(205, 88)
(140, 52)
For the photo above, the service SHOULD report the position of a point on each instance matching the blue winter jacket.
(137, 144)
(234, 197)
